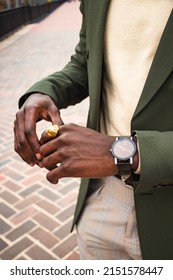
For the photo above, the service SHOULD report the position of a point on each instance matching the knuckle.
(61, 153)
(28, 131)
(60, 141)
(63, 139)
(28, 107)
(70, 126)
(18, 114)
(67, 128)
(21, 142)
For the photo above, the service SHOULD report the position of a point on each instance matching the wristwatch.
(123, 150)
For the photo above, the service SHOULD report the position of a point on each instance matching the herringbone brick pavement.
(35, 216)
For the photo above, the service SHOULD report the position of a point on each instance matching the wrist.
(135, 163)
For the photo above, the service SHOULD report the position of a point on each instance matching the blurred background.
(35, 216)
(15, 13)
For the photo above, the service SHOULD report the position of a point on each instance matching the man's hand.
(26, 143)
(77, 152)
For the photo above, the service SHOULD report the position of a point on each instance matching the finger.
(54, 115)
(21, 144)
(54, 175)
(51, 160)
(48, 148)
(45, 138)
(18, 148)
(31, 117)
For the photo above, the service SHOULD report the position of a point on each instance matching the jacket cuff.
(156, 161)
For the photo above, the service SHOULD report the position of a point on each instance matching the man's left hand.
(77, 152)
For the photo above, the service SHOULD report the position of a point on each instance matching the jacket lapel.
(96, 19)
(161, 67)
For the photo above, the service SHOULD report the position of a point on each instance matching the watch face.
(123, 148)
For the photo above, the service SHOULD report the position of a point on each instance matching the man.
(124, 62)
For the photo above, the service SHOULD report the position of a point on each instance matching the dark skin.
(26, 142)
(81, 152)
(76, 151)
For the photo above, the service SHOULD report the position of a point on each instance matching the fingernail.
(31, 164)
(38, 156)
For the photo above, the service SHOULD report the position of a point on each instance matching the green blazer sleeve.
(156, 160)
(70, 85)
(153, 118)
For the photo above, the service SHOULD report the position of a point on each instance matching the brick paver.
(35, 216)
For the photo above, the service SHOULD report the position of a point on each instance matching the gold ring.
(52, 131)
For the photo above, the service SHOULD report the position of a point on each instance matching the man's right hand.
(26, 143)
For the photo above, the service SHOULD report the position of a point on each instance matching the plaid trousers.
(107, 228)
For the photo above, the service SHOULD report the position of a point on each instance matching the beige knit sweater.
(133, 31)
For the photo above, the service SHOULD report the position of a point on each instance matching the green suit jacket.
(152, 121)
